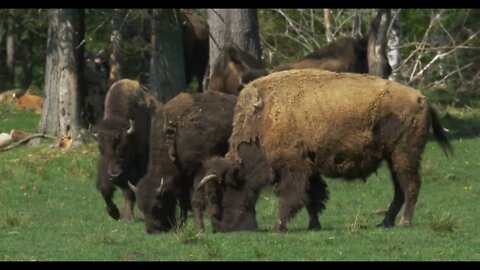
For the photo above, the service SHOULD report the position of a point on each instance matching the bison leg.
(107, 189)
(291, 192)
(198, 204)
(128, 203)
(317, 196)
(185, 205)
(405, 167)
(397, 202)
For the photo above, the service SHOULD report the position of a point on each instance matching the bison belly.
(353, 158)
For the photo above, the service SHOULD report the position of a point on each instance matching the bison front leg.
(128, 204)
(198, 204)
(317, 196)
(291, 192)
(107, 189)
(185, 205)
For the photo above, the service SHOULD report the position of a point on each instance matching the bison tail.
(439, 133)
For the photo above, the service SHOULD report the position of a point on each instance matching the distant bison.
(123, 142)
(343, 55)
(233, 69)
(189, 129)
(291, 127)
(28, 102)
(346, 54)
(195, 47)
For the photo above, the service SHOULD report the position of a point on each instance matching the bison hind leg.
(318, 194)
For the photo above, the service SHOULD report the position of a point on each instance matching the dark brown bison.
(346, 54)
(189, 129)
(291, 127)
(123, 142)
(233, 69)
(365, 55)
(195, 47)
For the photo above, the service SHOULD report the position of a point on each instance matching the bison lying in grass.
(123, 143)
(291, 127)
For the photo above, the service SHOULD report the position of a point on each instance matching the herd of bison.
(324, 115)
(214, 151)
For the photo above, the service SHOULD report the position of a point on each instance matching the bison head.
(157, 200)
(113, 136)
(230, 201)
(233, 69)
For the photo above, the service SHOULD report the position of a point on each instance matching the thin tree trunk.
(377, 56)
(167, 73)
(328, 25)
(61, 113)
(2, 60)
(116, 38)
(239, 26)
(10, 80)
(27, 66)
(394, 56)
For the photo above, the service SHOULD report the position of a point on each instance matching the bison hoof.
(314, 227)
(113, 212)
(385, 224)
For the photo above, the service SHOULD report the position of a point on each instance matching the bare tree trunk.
(328, 25)
(167, 73)
(27, 66)
(10, 80)
(2, 60)
(61, 113)
(239, 26)
(357, 23)
(117, 40)
(394, 56)
(377, 56)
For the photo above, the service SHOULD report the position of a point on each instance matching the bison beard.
(291, 127)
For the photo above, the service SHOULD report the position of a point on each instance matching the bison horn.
(160, 188)
(206, 179)
(131, 129)
(132, 187)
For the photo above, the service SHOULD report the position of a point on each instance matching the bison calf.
(291, 127)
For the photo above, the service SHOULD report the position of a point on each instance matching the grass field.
(50, 210)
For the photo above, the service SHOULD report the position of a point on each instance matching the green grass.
(50, 210)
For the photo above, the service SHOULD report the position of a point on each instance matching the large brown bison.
(291, 127)
(195, 47)
(189, 129)
(233, 69)
(123, 143)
